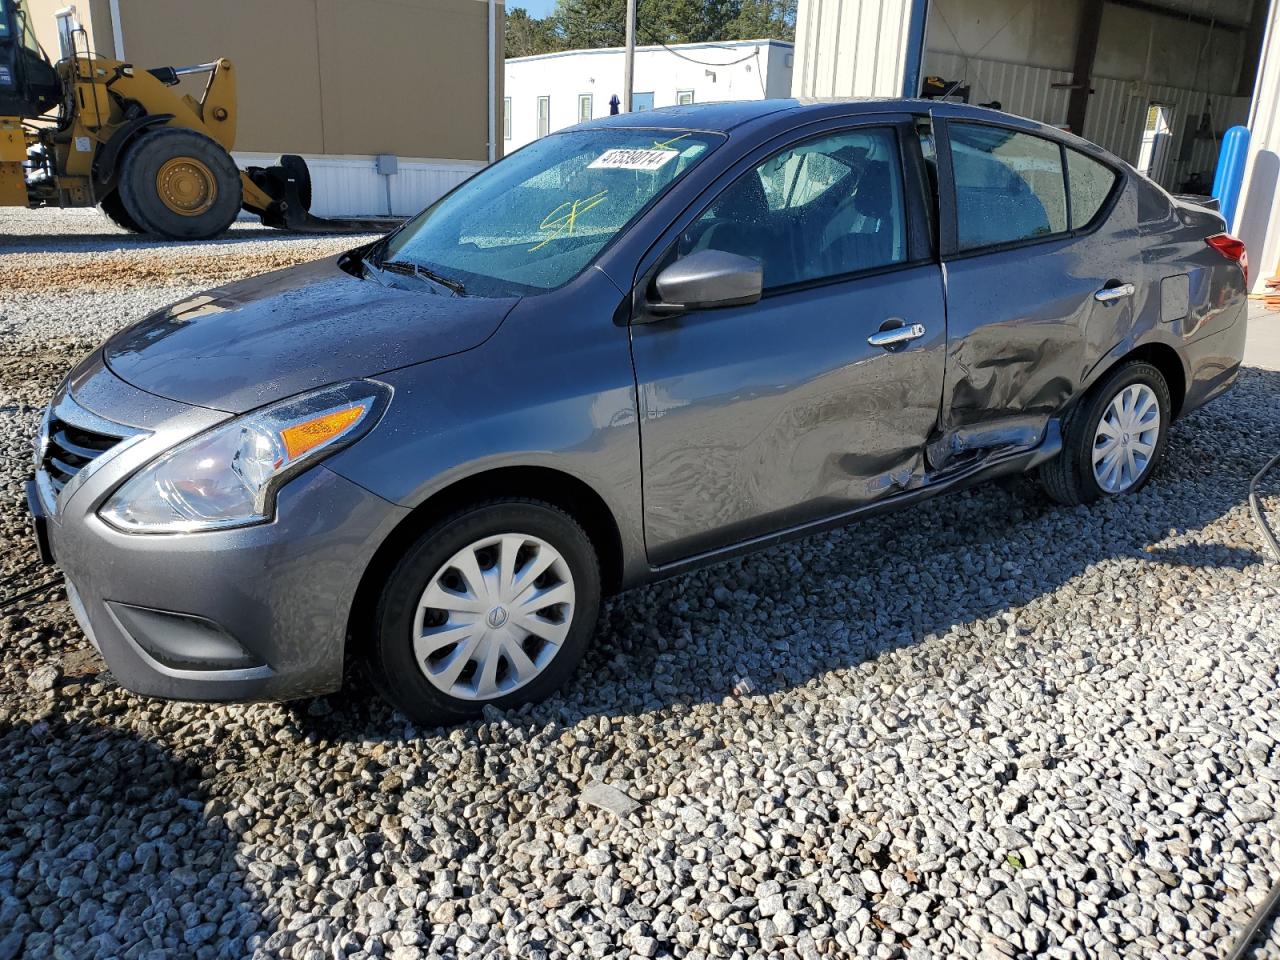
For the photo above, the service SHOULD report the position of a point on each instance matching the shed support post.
(1086, 50)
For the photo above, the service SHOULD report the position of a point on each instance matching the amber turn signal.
(305, 436)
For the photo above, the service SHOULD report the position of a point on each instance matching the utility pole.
(629, 71)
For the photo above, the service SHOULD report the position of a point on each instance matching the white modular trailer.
(352, 186)
(551, 91)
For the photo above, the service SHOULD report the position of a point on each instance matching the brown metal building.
(339, 81)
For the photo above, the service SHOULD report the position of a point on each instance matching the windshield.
(26, 33)
(534, 220)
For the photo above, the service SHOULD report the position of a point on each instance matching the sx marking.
(559, 224)
(666, 144)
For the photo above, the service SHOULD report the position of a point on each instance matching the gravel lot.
(987, 727)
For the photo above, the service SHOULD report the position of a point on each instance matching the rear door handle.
(1112, 294)
(896, 335)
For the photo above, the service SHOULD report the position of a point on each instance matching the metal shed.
(1157, 82)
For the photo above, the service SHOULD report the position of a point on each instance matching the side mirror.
(708, 278)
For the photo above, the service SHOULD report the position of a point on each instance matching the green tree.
(528, 35)
(764, 20)
(585, 24)
(685, 21)
(591, 23)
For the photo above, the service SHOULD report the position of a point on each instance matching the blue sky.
(536, 8)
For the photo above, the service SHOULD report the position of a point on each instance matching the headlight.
(228, 477)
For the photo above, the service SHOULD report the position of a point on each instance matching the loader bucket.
(288, 185)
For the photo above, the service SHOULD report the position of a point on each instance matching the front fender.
(108, 155)
(552, 389)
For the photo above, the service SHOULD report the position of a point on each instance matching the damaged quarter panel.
(1189, 300)
(1024, 325)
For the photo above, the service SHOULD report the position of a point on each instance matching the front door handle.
(896, 335)
(1112, 294)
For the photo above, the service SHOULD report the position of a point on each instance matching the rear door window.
(1009, 186)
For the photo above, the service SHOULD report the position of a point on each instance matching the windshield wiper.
(418, 270)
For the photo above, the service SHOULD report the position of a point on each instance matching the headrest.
(874, 198)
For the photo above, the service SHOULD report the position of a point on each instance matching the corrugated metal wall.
(1022, 90)
(848, 45)
(1117, 112)
(1117, 108)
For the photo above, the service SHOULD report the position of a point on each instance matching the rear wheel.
(113, 206)
(180, 184)
(494, 605)
(1114, 439)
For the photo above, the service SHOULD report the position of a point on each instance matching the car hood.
(269, 337)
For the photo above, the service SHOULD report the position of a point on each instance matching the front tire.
(179, 184)
(1114, 439)
(494, 605)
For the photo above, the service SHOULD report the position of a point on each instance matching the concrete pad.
(1262, 347)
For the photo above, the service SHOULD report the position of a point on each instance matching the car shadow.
(781, 617)
(101, 833)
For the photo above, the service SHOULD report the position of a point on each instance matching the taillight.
(1233, 249)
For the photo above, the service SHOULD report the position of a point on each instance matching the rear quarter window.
(1090, 184)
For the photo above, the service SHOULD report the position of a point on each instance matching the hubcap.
(1126, 438)
(493, 617)
(186, 186)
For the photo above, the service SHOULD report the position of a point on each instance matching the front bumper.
(256, 613)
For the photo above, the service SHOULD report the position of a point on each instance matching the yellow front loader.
(91, 130)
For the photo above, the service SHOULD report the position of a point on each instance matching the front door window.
(825, 208)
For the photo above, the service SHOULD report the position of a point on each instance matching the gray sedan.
(639, 345)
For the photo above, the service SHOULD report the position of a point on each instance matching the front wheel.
(179, 184)
(1114, 439)
(493, 605)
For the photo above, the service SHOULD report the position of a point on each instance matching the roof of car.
(721, 117)
(727, 115)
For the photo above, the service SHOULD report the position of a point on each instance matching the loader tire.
(113, 207)
(179, 184)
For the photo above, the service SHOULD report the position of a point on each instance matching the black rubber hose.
(1255, 505)
(1241, 949)
(1268, 907)
(17, 598)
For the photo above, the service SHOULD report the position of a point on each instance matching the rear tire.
(113, 207)
(179, 184)
(1133, 400)
(436, 634)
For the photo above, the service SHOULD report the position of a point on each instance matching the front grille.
(69, 449)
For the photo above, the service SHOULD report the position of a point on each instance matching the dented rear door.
(1032, 298)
